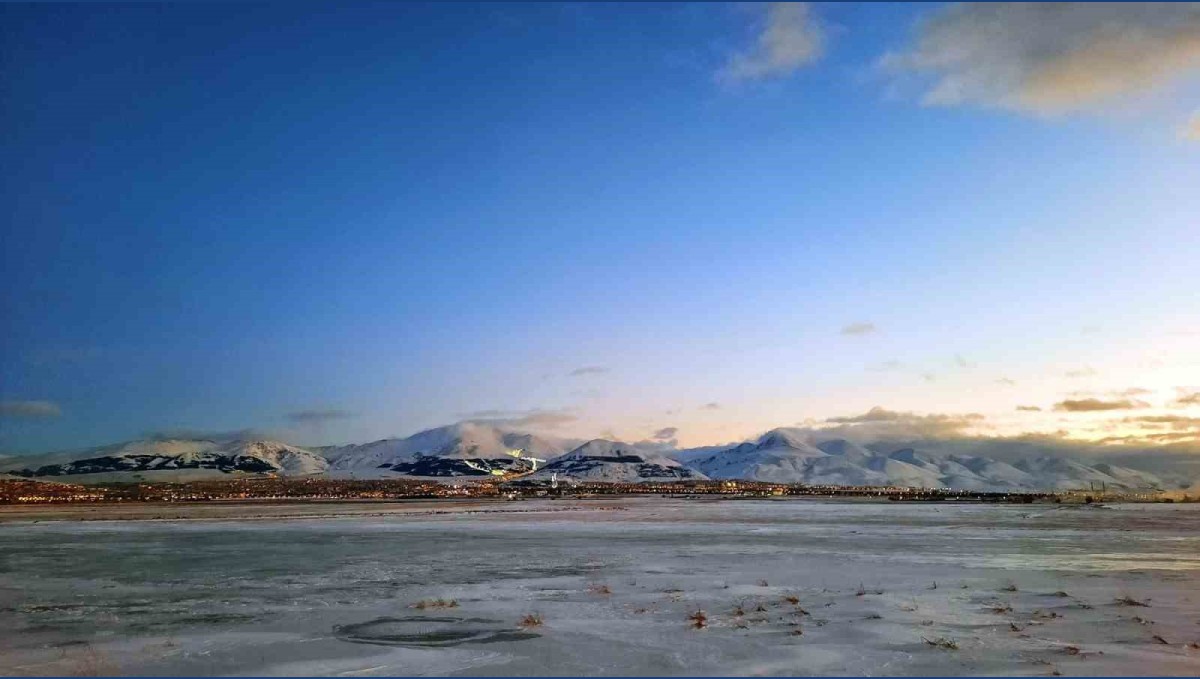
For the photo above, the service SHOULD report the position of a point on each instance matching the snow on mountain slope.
(441, 452)
(778, 456)
(1131, 478)
(610, 461)
(785, 456)
(189, 459)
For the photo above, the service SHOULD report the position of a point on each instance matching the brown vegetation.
(435, 603)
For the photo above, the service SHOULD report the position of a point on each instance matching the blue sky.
(348, 222)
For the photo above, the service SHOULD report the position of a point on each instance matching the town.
(22, 491)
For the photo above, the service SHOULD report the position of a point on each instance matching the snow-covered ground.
(786, 587)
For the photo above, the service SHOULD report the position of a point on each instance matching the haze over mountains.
(470, 449)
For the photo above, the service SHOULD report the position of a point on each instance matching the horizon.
(675, 223)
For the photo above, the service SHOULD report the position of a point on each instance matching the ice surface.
(1025, 590)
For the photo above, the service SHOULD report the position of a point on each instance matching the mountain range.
(471, 449)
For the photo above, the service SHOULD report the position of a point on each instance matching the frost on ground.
(658, 587)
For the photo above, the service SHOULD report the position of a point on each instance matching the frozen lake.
(786, 587)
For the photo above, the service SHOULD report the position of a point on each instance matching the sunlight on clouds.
(1052, 58)
(790, 39)
(1191, 131)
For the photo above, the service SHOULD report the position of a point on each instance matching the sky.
(687, 223)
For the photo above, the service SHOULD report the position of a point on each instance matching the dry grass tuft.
(1000, 608)
(1061, 593)
(1072, 650)
(1126, 600)
(1160, 640)
(763, 583)
(792, 599)
(1015, 627)
(760, 608)
(1010, 587)
(699, 619)
(600, 589)
(863, 591)
(435, 603)
(942, 642)
(532, 620)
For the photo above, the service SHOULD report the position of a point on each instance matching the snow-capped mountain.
(444, 451)
(473, 449)
(610, 461)
(169, 460)
(785, 456)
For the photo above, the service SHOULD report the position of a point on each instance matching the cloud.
(1085, 371)
(588, 370)
(655, 446)
(790, 38)
(1090, 405)
(1187, 399)
(536, 418)
(319, 416)
(1051, 58)
(1191, 130)
(859, 329)
(185, 434)
(885, 366)
(1006, 382)
(1173, 421)
(929, 377)
(881, 423)
(1029, 409)
(29, 410)
(962, 362)
(711, 406)
(665, 434)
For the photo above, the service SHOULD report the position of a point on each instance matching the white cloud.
(881, 423)
(319, 416)
(665, 434)
(29, 410)
(790, 38)
(862, 328)
(1085, 371)
(249, 434)
(588, 370)
(1052, 58)
(536, 418)
(1191, 130)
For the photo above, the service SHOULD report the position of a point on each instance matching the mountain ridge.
(472, 449)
